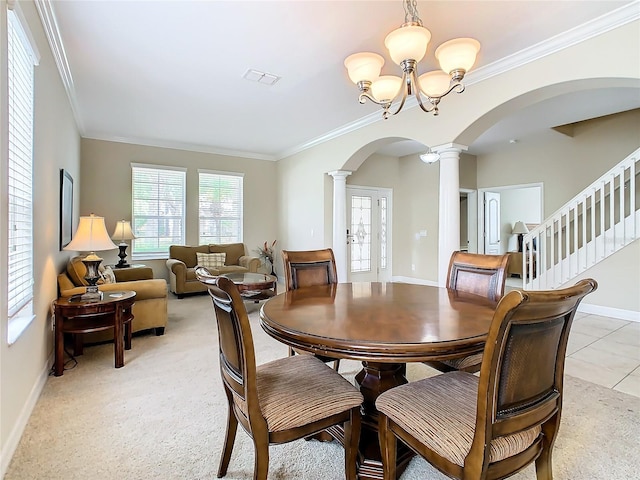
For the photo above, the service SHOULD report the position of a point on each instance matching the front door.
(491, 223)
(368, 234)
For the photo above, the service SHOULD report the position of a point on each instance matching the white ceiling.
(169, 73)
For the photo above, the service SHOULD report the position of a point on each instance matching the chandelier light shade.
(91, 236)
(430, 156)
(122, 233)
(407, 46)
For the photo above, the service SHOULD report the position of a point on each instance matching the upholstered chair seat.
(450, 430)
(290, 401)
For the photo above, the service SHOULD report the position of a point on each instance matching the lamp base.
(92, 294)
(92, 262)
(122, 254)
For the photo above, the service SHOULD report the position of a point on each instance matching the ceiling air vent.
(260, 77)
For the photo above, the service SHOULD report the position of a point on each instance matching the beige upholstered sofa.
(150, 309)
(183, 260)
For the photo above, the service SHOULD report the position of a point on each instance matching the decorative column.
(449, 207)
(340, 222)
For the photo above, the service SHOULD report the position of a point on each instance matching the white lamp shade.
(408, 42)
(364, 66)
(386, 87)
(123, 231)
(458, 54)
(434, 83)
(91, 236)
(519, 227)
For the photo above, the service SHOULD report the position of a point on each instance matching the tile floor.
(604, 350)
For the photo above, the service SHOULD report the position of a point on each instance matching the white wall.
(25, 364)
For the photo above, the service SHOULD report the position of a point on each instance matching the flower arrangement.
(266, 252)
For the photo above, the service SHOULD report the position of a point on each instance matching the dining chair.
(280, 401)
(478, 274)
(491, 426)
(306, 268)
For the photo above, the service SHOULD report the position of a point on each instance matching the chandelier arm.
(404, 93)
(364, 96)
(459, 86)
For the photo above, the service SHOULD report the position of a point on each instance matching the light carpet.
(163, 416)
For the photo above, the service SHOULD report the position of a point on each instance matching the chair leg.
(388, 447)
(336, 365)
(261, 459)
(230, 436)
(543, 465)
(291, 352)
(351, 441)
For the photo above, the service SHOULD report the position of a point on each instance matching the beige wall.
(25, 364)
(106, 189)
(462, 119)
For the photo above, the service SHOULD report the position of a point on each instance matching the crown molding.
(619, 17)
(614, 19)
(50, 26)
(189, 147)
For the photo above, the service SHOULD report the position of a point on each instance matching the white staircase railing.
(596, 223)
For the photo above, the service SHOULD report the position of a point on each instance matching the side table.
(74, 316)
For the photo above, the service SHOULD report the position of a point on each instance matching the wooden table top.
(380, 322)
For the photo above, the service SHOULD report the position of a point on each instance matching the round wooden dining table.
(384, 325)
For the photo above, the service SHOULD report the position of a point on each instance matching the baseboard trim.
(417, 281)
(21, 423)
(629, 315)
(619, 313)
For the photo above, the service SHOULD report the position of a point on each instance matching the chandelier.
(407, 45)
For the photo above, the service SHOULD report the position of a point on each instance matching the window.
(220, 207)
(21, 58)
(158, 209)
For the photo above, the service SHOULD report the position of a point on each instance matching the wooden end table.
(75, 316)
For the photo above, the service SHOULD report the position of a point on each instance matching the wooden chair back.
(521, 377)
(235, 340)
(483, 275)
(308, 268)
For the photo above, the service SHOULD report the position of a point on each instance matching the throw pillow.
(211, 260)
(107, 275)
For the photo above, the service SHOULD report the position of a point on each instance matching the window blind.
(20, 72)
(220, 207)
(158, 218)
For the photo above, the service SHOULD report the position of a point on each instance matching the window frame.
(20, 159)
(239, 213)
(137, 219)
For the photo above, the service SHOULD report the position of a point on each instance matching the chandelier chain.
(411, 12)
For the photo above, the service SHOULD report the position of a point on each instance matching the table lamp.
(123, 232)
(520, 229)
(91, 236)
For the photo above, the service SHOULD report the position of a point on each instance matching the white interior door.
(492, 223)
(368, 234)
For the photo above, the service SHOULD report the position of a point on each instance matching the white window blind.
(158, 209)
(220, 207)
(20, 81)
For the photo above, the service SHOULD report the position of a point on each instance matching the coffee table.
(254, 286)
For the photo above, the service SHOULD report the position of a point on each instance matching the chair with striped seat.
(478, 274)
(308, 268)
(491, 426)
(280, 401)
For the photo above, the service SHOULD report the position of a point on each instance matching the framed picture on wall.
(66, 208)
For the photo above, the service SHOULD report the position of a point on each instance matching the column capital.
(449, 148)
(339, 173)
